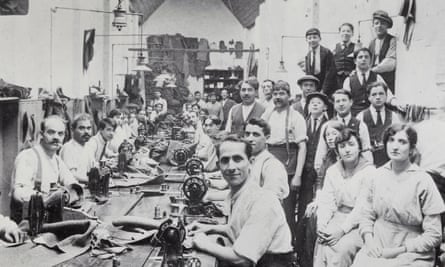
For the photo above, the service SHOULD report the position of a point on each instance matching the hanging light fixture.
(141, 64)
(120, 16)
(281, 67)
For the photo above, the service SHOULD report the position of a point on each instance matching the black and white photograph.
(220, 133)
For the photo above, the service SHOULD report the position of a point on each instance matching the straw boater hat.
(383, 16)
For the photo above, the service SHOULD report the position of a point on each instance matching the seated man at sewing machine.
(76, 155)
(40, 169)
(99, 144)
(205, 150)
(257, 224)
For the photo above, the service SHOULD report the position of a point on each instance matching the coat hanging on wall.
(88, 47)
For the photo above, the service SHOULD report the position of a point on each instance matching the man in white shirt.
(99, 144)
(266, 171)
(287, 142)
(201, 103)
(256, 225)
(76, 155)
(41, 169)
(239, 114)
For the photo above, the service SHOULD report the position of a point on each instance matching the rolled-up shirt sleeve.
(257, 233)
(275, 178)
(389, 62)
(25, 169)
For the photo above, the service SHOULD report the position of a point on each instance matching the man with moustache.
(256, 224)
(76, 155)
(287, 142)
(247, 109)
(40, 168)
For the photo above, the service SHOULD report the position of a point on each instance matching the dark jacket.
(328, 72)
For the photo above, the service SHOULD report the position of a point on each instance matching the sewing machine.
(180, 156)
(47, 210)
(99, 182)
(171, 236)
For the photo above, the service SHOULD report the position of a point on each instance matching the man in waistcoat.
(377, 118)
(359, 80)
(383, 48)
(344, 53)
(317, 105)
(247, 109)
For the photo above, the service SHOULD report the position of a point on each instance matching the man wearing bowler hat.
(383, 48)
(320, 63)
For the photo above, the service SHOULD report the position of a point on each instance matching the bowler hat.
(322, 96)
(313, 31)
(383, 16)
(308, 78)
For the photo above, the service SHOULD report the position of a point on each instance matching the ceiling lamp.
(281, 67)
(141, 64)
(120, 17)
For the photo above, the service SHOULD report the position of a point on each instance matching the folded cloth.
(40, 256)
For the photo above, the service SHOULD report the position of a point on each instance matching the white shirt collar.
(347, 118)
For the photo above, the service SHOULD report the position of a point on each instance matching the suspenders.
(38, 178)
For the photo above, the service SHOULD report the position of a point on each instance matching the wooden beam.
(192, 50)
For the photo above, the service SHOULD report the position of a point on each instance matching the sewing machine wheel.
(194, 167)
(194, 189)
(193, 262)
(180, 156)
(171, 235)
(162, 228)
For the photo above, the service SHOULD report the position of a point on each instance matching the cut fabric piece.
(408, 11)
(88, 47)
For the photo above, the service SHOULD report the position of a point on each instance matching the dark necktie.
(379, 118)
(364, 79)
(314, 126)
(102, 154)
(344, 121)
(313, 62)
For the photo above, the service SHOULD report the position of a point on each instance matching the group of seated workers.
(352, 209)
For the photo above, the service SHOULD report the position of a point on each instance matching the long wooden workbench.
(126, 201)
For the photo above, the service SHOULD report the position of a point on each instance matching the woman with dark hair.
(401, 209)
(337, 214)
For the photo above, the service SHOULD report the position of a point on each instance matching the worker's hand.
(302, 64)
(373, 249)
(200, 241)
(11, 233)
(390, 253)
(334, 236)
(195, 228)
(311, 208)
(295, 182)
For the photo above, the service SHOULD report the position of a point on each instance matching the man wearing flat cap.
(320, 63)
(383, 48)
